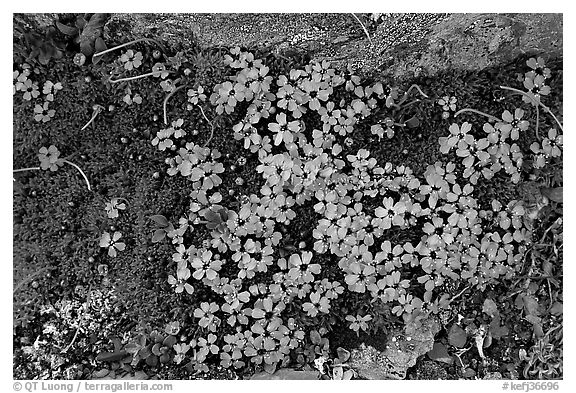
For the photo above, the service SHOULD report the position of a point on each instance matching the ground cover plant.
(231, 211)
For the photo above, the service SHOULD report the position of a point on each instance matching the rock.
(431, 42)
(403, 348)
(287, 373)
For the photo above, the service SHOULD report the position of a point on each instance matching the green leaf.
(413, 122)
(439, 353)
(71, 31)
(554, 194)
(343, 354)
(169, 341)
(100, 45)
(457, 336)
(160, 220)
(159, 235)
(490, 307)
(106, 356)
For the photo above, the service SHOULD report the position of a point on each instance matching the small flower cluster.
(31, 91)
(357, 203)
(535, 80)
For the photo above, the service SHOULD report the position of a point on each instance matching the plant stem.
(166, 101)
(138, 76)
(128, 43)
(363, 28)
(96, 112)
(535, 101)
(203, 114)
(407, 93)
(493, 118)
(34, 168)
(415, 86)
(537, 123)
(81, 172)
(209, 122)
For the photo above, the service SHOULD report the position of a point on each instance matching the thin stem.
(126, 44)
(81, 172)
(153, 73)
(458, 294)
(535, 101)
(203, 114)
(493, 118)
(34, 168)
(537, 122)
(407, 93)
(363, 28)
(211, 124)
(97, 111)
(417, 88)
(166, 101)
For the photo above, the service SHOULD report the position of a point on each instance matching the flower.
(113, 206)
(538, 68)
(29, 88)
(206, 315)
(512, 124)
(448, 103)
(301, 268)
(552, 145)
(205, 266)
(129, 99)
(457, 134)
(536, 88)
(182, 274)
(49, 158)
(159, 70)
(195, 96)
(111, 242)
(43, 114)
(50, 89)
(283, 129)
(131, 60)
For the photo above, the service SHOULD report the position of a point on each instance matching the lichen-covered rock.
(402, 350)
(403, 45)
